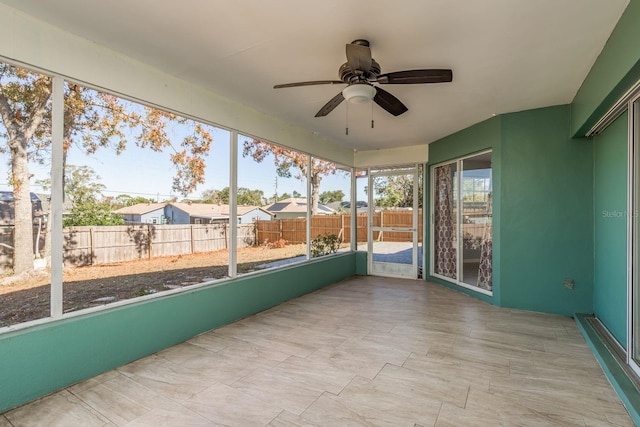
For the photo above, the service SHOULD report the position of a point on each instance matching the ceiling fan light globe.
(359, 93)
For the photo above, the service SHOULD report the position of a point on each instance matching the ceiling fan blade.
(312, 83)
(389, 102)
(416, 76)
(359, 56)
(331, 105)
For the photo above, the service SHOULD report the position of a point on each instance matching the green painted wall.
(610, 224)
(616, 69)
(542, 206)
(361, 263)
(480, 137)
(39, 360)
(546, 213)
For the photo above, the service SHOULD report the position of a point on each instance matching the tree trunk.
(23, 222)
(47, 235)
(315, 193)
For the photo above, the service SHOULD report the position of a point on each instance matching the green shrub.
(324, 245)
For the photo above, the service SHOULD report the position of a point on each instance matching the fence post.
(280, 229)
(91, 246)
(255, 233)
(191, 239)
(149, 240)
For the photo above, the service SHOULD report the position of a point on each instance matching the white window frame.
(57, 171)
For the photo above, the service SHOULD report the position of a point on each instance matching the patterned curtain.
(485, 271)
(444, 239)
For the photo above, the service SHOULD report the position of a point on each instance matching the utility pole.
(275, 198)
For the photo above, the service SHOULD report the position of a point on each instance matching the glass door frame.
(633, 231)
(629, 103)
(459, 223)
(388, 269)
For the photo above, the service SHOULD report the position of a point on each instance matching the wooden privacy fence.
(390, 218)
(294, 230)
(107, 244)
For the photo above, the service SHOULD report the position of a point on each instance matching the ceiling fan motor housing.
(348, 76)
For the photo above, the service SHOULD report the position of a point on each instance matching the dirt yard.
(27, 298)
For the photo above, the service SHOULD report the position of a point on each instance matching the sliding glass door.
(475, 221)
(461, 222)
(633, 260)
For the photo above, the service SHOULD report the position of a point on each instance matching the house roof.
(346, 205)
(7, 211)
(7, 196)
(294, 205)
(209, 210)
(140, 208)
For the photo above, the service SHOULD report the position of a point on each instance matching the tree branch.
(7, 116)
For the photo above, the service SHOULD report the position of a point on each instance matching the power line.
(134, 193)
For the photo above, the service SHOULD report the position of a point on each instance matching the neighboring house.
(345, 206)
(45, 199)
(294, 207)
(143, 213)
(207, 213)
(7, 210)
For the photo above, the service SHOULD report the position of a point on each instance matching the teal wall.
(615, 71)
(546, 213)
(361, 263)
(610, 225)
(542, 206)
(41, 359)
(480, 137)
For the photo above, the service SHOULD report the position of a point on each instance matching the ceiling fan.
(361, 71)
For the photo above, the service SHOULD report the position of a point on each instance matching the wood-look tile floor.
(365, 351)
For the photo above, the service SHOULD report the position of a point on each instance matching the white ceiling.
(506, 55)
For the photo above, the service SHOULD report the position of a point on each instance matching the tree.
(82, 184)
(92, 120)
(331, 196)
(123, 200)
(285, 160)
(245, 196)
(284, 196)
(84, 191)
(216, 196)
(396, 191)
(249, 197)
(92, 213)
(23, 108)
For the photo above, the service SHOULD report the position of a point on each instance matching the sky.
(143, 172)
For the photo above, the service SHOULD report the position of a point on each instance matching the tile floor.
(365, 351)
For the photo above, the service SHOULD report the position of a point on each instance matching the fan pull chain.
(347, 127)
(371, 115)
